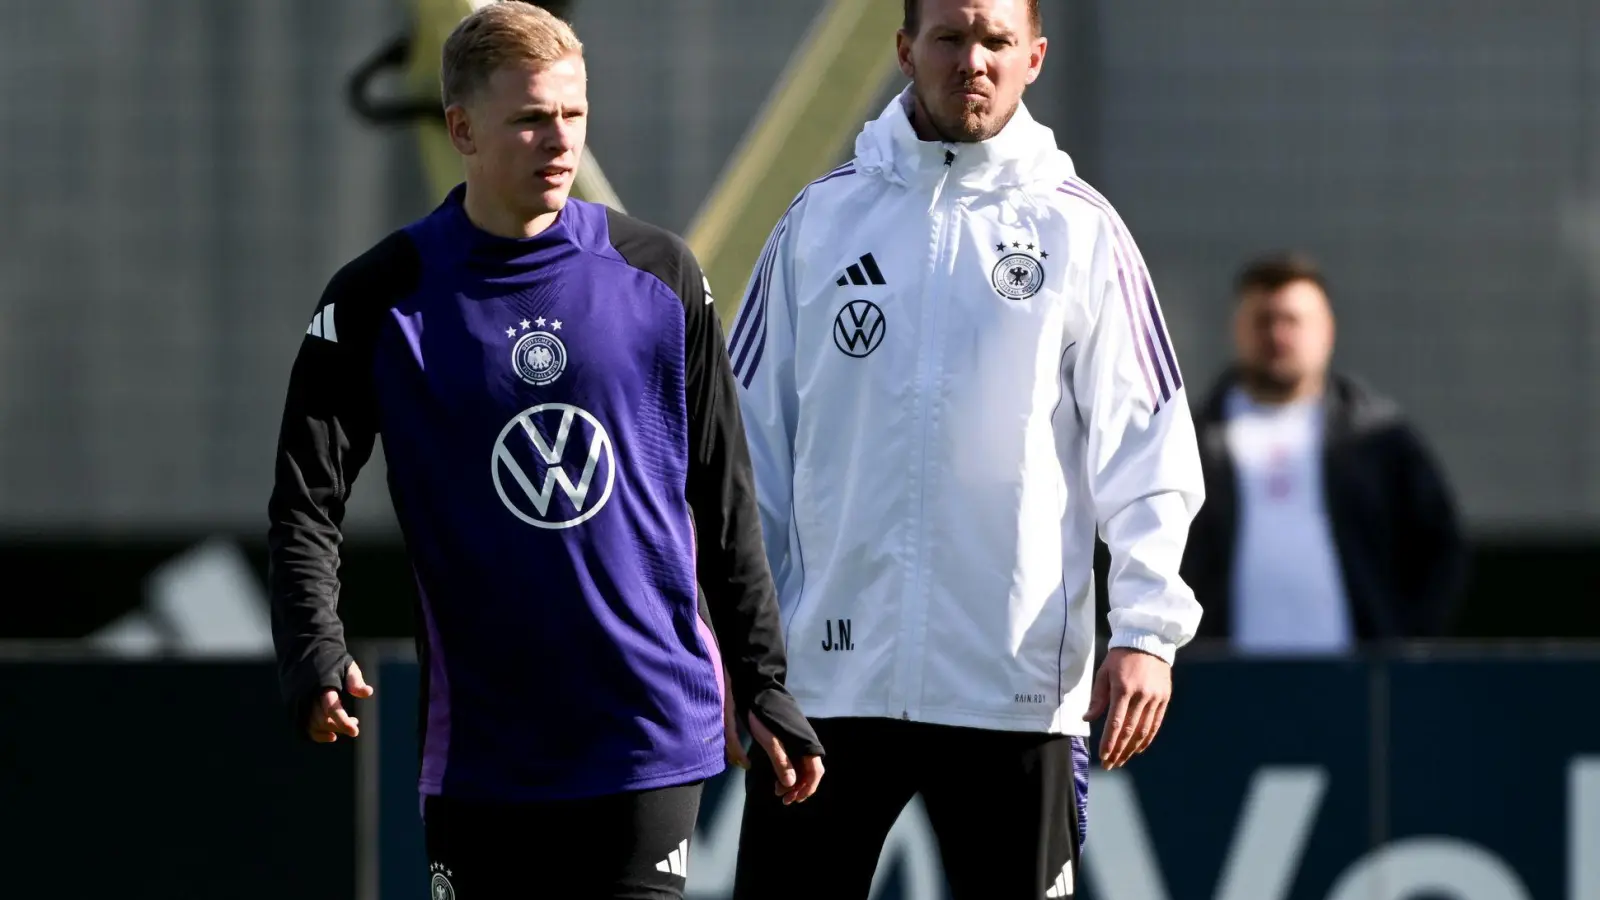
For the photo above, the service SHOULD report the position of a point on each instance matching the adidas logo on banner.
(1063, 885)
(677, 862)
(322, 325)
(856, 275)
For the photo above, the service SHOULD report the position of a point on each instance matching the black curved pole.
(388, 111)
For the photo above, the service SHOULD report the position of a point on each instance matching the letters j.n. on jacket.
(953, 370)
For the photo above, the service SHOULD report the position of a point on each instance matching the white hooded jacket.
(953, 369)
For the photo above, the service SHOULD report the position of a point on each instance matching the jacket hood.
(1023, 155)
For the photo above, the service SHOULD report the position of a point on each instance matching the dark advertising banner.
(167, 780)
(1466, 779)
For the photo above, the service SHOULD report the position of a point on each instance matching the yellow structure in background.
(434, 21)
(826, 91)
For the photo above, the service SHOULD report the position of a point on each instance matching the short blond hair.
(498, 34)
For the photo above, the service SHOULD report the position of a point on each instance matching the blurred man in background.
(953, 370)
(573, 702)
(1327, 521)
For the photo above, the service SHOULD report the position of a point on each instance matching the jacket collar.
(1349, 406)
(1335, 393)
(1022, 155)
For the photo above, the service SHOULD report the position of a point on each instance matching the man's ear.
(902, 50)
(1036, 58)
(458, 122)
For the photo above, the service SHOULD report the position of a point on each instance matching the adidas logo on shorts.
(1063, 885)
(677, 862)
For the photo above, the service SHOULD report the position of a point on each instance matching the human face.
(522, 135)
(969, 63)
(1284, 339)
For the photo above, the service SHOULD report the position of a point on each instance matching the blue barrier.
(1385, 779)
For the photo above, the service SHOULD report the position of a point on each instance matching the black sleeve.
(1432, 554)
(329, 426)
(732, 562)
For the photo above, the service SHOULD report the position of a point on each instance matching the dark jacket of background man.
(1394, 524)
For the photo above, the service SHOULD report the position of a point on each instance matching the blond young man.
(567, 462)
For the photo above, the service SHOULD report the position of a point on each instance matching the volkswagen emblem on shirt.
(554, 466)
(1017, 276)
(859, 328)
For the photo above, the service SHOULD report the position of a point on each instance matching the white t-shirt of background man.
(1287, 592)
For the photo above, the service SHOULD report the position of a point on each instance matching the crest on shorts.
(439, 886)
(538, 356)
(1019, 274)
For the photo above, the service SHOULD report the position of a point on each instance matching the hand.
(1135, 687)
(792, 786)
(328, 717)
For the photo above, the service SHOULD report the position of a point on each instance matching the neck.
(1270, 393)
(501, 220)
(921, 122)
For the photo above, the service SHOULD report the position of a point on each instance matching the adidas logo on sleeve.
(322, 325)
(863, 271)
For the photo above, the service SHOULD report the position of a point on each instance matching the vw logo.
(554, 466)
(859, 328)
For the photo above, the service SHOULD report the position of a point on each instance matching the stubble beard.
(1270, 386)
(972, 122)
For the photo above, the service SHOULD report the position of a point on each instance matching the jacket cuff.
(1145, 642)
(777, 709)
(304, 690)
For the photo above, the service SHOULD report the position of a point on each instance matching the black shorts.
(1005, 806)
(632, 846)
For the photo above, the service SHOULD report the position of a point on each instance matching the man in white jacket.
(953, 371)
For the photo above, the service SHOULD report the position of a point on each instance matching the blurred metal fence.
(182, 177)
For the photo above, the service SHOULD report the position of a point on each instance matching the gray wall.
(179, 177)
(1439, 157)
(182, 176)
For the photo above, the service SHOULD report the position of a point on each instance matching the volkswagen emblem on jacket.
(859, 328)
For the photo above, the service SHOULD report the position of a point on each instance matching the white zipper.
(913, 611)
